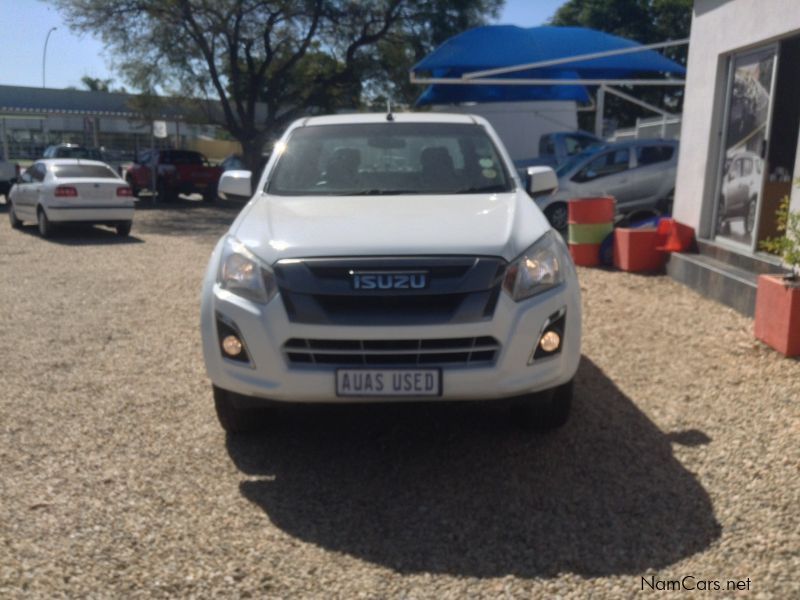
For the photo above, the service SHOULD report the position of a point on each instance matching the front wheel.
(750, 218)
(210, 195)
(46, 227)
(15, 221)
(124, 229)
(664, 206)
(233, 418)
(557, 215)
(545, 411)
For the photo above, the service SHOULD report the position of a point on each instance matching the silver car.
(637, 173)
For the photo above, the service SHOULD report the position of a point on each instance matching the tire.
(664, 206)
(210, 195)
(134, 190)
(723, 226)
(557, 215)
(165, 194)
(750, 217)
(124, 229)
(16, 223)
(46, 227)
(232, 418)
(545, 411)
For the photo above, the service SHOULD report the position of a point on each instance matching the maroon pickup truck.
(177, 172)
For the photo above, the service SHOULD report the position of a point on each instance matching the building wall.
(719, 27)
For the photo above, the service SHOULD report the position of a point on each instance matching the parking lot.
(681, 458)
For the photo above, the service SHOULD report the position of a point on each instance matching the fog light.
(550, 341)
(232, 345)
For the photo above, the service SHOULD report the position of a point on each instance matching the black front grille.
(445, 351)
(461, 289)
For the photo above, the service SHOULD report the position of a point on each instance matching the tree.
(95, 84)
(645, 21)
(268, 62)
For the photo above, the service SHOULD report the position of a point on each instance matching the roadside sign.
(160, 129)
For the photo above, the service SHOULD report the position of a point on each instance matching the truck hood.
(278, 227)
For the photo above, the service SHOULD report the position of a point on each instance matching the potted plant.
(777, 320)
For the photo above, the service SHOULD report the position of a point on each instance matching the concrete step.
(761, 263)
(715, 279)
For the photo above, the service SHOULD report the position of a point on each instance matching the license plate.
(200, 184)
(388, 382)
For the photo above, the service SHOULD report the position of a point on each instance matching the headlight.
(241, 273)
(540, 268)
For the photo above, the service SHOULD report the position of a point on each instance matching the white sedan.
(71, 190)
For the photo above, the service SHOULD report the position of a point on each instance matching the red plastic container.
(589, 211)
(585, 255)
(637, 250)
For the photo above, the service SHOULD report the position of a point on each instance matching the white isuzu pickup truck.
(390, 258)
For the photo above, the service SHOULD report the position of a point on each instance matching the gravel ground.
(681, 457)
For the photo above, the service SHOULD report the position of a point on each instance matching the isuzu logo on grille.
(389, 280)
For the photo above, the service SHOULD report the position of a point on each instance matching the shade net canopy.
(496, 46)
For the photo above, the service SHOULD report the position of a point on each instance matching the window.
(575, 143)
(608, 163)
(747, 166)
(38, 172)
(389, 158)
(547, 146)
(648, 155)
(77, 171)
(181, 157)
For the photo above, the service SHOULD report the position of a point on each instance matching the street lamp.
(44, 53)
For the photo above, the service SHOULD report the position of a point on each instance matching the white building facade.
(739, 143)
(741, 114)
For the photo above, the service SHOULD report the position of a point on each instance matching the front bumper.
(265, 329)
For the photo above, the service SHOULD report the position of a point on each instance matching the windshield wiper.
(377, 192)
(483, 190)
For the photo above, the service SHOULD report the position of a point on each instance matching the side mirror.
(235, 183)
(541, 180)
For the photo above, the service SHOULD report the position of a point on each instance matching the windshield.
(181, 157)
(389, 158)
(575, 160)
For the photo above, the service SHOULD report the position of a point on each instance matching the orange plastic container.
(678, 237)
(587, 211)
(637, 249)
(585, 255)
(777, 318)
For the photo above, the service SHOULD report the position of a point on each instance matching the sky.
(70, 56)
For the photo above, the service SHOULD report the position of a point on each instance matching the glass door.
(742, 170)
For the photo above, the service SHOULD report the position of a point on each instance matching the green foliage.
(787, 246)
(268, 62)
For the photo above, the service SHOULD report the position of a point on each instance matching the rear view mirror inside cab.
(386, 142)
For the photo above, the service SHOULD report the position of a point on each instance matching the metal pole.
(598, 116)
(44, 52)
(571, 59)
(542, 81)
(5, 139)
(153, 161)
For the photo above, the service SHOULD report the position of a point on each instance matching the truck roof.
(400, 117)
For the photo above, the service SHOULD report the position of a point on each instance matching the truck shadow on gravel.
(460, 490)
(185, 217)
